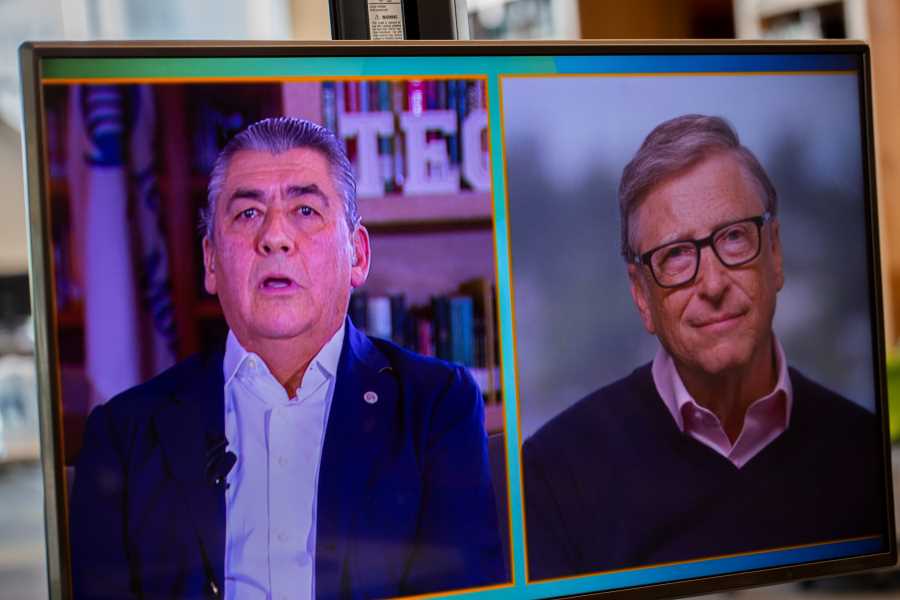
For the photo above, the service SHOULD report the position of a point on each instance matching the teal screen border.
(493, 67)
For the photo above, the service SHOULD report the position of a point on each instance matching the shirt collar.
(675, 396)
(327, 358)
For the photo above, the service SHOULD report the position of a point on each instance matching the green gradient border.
(286, 67)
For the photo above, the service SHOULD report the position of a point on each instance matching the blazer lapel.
(187, 425)
(358, 431)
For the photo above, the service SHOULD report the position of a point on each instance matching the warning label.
(386, 20)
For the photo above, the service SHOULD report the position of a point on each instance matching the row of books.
(447, 328)
(459, 327)
(412, 96)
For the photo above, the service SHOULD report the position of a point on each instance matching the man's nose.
(275, 235)
(712, 276)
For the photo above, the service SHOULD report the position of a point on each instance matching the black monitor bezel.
(43, 304)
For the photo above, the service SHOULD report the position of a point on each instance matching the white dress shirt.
(270, 502)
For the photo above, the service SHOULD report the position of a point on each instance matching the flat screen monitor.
(483, 320)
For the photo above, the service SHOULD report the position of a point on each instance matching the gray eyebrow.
(292, 191)
(296, 191)
(241, 194)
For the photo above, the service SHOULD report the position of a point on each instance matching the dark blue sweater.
(612, 483)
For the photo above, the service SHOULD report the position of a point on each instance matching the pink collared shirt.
(766, 419)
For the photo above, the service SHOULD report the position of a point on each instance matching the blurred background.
(22, 554)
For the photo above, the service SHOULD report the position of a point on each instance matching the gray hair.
(277, 135)
(676, 145)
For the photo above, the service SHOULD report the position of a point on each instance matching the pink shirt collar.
(766, 419)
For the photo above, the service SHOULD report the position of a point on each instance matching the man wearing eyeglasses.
(718, 446)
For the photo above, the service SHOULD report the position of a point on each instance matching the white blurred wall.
(13, 247)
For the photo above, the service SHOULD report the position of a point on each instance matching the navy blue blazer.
(405, 502)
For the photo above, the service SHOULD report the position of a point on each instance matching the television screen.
(486, 320)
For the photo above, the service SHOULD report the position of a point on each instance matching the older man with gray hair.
(717, 446)
(304, 459)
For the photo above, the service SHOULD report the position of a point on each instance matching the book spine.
(441, 315)
(425, 336)
(340, 94)
(479, 339)
(378, 316)
(415, 89)
(461, 330)
(462, 109)
(375, 94)
(456, 333)
(452, 104)
(431, 95)
(468, 327)
(351, 96)
(398, 319)
(473, 101)
(363, 96)
(441, 94)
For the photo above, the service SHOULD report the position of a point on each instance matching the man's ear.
(361, 256)
(209, 265)
(777, 259)
(641, 296)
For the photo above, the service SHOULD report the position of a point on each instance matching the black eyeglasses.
(734, 244)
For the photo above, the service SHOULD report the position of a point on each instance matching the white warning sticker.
(386, 20)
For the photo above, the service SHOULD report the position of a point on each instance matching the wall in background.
(13, 246)
(884, 37)
(655, 19)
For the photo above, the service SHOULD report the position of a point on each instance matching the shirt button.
(282, 536)
(282, 461)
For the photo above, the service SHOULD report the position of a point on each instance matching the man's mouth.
(718, 321)
(277, 283)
